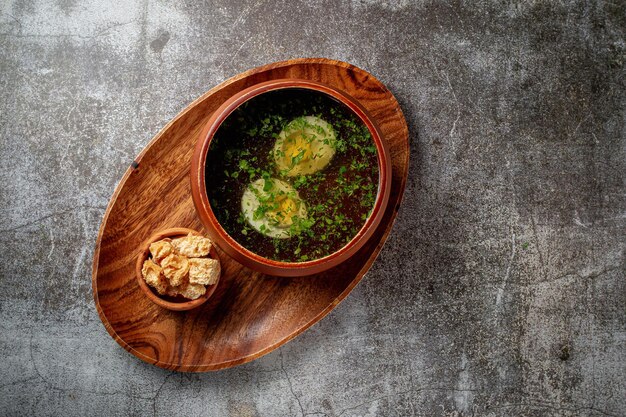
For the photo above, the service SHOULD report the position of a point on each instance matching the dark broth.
(338, 198)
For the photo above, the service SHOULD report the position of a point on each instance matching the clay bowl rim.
(144, 253)
(245, 256)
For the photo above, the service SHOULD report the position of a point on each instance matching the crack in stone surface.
(282, 367)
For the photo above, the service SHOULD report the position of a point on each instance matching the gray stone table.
(501, 290)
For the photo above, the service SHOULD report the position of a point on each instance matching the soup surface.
(292, 175)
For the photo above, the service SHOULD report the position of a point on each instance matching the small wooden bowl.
(178, 303)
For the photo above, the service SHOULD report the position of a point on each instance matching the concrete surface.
(501, 291)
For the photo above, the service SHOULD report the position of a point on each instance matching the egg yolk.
(297, 144)
(284, 213)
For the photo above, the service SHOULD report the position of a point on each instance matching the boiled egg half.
(271, 207)
(306, 145)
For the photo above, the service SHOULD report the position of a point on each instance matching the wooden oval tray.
(250, 314)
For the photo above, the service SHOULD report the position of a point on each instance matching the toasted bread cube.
(205, 271)
(175, 268)
(192, 246)
(153, 275)
(191, 291)
(159, 250)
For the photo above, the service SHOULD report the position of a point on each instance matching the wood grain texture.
(250, 314)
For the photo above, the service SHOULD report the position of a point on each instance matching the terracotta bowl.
(178, 303)
(246, 256)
